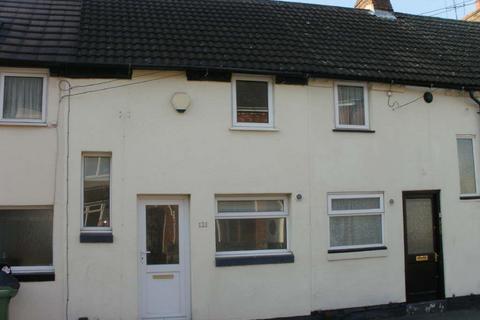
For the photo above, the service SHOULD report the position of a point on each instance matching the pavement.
(473, 314)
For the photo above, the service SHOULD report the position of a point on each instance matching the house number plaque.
(421, 258)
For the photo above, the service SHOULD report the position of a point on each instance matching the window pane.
(351, 105)
(96, 193)
(251, 234)
(26, 237)
(466, 164)
(162, 234)
(22, 98)
(250, 206)
(355, 231)
(91, 166)
(356, 204)
(252, 101)
(419, 226)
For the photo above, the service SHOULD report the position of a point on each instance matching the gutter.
(124, 71)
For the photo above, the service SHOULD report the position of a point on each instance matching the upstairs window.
(251, 226)
(351, 106)
(356, 221)
(466, 163)
(252, 102)
(96, 192)
(23, 98)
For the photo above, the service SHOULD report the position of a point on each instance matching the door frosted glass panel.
(466, 163)
(419, 226)
(355, 230)
(162, 234)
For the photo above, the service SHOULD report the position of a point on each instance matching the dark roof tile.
(244, 35)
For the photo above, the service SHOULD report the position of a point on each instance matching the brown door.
(423, 246)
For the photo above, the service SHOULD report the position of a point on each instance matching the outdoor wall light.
(428, 97)
(181, 101)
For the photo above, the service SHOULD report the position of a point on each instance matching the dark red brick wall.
(252, 117)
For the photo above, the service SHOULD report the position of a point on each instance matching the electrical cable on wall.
(396, 105)
(113, 80)
(67, 173)
(113, 87)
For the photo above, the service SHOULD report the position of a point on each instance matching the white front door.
(164, 260)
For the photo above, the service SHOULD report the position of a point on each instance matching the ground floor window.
(251, 226)
(26, 239)
(356, 221)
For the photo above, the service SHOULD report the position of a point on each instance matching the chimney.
(375, 5)
(475, 15)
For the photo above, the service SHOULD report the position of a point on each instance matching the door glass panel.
(162, 234)
(419, 226)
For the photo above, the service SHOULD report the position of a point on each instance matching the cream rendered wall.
(27, 175)
(156, 151)
(413, 148)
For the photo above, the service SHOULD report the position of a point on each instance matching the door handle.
(143, 255)
(436, 256)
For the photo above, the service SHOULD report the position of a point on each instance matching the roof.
(258, 36)
(39, 30)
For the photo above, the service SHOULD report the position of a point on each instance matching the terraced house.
(235, 159)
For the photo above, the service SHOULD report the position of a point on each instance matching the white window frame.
(254, 215)
(44, 97)
(19, 270)
(364, 85)
(474, 150)
(355, 213)
(84, 229)
(269, 81)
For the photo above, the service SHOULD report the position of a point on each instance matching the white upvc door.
(164, 260)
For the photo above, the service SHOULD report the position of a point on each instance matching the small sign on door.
(421, 258)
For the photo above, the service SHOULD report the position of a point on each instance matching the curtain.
(252, 95)
(356, 204)
(23, 98)
(355, 230)
(351, 107)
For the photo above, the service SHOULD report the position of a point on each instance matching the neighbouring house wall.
(156, 151)
(27, 175)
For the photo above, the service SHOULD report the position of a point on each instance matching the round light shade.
(181, 101)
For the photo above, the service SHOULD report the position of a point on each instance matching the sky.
(416, 6)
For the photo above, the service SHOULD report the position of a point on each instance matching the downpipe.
(474, 98)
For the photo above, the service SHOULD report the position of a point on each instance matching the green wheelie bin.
(6, 293)
(9, 286)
